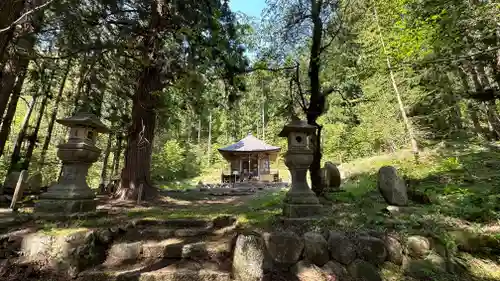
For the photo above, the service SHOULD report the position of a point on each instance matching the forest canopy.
(175, 80)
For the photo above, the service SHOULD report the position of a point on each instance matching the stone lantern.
(300, 201)
(72, 194)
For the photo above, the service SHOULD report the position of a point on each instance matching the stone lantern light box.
(299, 135)
(84, 127)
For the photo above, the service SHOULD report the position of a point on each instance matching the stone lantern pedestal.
(72, 195)
(300, 201)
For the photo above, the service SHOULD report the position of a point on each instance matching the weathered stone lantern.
(300, 201)
(72, 194)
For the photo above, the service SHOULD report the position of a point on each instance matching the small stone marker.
(392, 187)
(331, 177)
(18, 192)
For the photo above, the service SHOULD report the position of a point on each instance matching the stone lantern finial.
(300, 201)
(72, 194)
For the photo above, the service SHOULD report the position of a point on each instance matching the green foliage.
(174, 161)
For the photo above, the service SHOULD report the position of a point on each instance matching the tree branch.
(250, 70)
(296, 77)
(13, 24)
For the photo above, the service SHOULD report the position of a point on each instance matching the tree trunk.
(11, 111)
(18, 62)
(8, 80)
(10, 10)
(209, 147)
(16, 153)
(409, 127)
(137, 170)
(33, 138)
(199, 129)
(104, 170)
(116, 155)
(316, 101)
(53, 116)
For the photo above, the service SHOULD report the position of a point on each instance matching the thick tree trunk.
(33, 138)
(17, 62)
(53, 116)
(104, 170)
(116, 155)
(16, 153)
(137, 168)
(11, 111)
(10, 10)
(316, 101)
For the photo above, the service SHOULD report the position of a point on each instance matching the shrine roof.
(250, 144)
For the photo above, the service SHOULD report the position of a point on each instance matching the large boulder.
(337, 270)
(371, 249)
(392, 187)
(122, 253)
(331, 177)
(249, 259)
(306, 271)
(394, 250)
(418, 246)
(284, 247)
(363, 271)
(341, 248)
(316, 248)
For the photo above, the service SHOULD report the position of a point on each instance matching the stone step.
(209, 248)
(215, 248)
(163, 270)
(160, 232)
(175, 223)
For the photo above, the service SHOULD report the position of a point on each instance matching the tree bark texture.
(11, 111)
(17, 62)
(10, 10)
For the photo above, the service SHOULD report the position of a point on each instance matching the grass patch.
(254, 212)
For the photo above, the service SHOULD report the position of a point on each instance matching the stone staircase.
(173, 250)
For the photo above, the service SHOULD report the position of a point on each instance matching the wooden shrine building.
(250, 159)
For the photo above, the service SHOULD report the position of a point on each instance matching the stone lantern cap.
(297, 126)
(83, 119)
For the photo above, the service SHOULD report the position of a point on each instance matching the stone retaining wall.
(330, 255)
